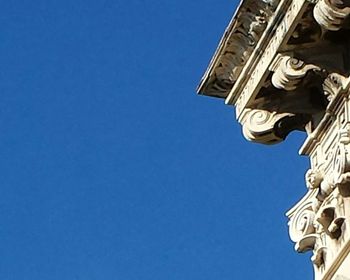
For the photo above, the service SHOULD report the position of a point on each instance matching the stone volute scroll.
(301, 224)
(265, 127)
(260, 126)
(289, 72)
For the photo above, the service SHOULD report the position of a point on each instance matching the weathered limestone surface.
(285, 65)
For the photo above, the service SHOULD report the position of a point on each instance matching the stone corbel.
(258, 126)
(289, 72)
(330, 14)
(266, 127)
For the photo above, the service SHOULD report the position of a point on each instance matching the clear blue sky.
(112, 168)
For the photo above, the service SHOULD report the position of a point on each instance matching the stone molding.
(236, 46)
(256, 70)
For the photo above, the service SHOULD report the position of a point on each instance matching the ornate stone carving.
(262, 126)
(313, 178)
(331, 217)
(239, 41)
(319, 256)
(266, 127)
(334, 84)
(341, 162)
(309, 226)
(289, 72)
(246, 89)
(330, 14)
(328, 186)
(301, 225)
(256, 70)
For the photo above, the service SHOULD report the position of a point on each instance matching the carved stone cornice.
(259, 56)
(239, 41)
(256, 70)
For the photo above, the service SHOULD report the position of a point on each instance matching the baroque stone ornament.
(301, 225)
(260, 126)
(289, 72)
(239, 41)
(335, 84)
(285, 66)
(331, 14)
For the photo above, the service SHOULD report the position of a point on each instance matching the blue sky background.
(112, 168)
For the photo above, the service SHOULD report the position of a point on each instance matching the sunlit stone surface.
(284, 66)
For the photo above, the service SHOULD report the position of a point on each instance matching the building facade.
(285, 65)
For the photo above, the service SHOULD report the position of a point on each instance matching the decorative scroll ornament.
(301, 225)
(289, 72)
(330, 14)
(260, 126)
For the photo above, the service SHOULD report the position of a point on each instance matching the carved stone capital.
(330, 14)
(314, 229)
(326, 202)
